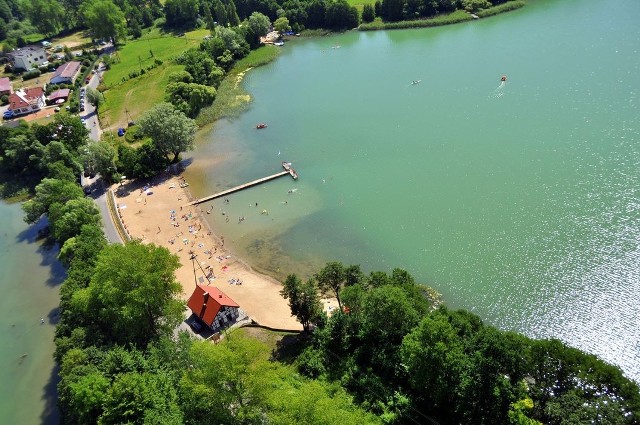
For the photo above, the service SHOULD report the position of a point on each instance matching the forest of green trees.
(118, 19)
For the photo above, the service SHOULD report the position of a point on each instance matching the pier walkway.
(238, 188)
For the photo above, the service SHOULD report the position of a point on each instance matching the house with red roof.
(213, 307)
(5, 86)
(26, 101)
(66, 73)
(59, 94)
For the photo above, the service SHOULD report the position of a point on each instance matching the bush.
(31, 75)
(311, 363)
(4, 99)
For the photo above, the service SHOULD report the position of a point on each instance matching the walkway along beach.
(154, 211)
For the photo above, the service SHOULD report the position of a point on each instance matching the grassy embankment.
(138, 94)
(448, 19)
(231, 99)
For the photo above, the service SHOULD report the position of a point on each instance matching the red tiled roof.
(5, 84)
(25, 98)
(206, 302)
(67, 70)
(59, 94)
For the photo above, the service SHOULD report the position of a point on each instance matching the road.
(99, 192)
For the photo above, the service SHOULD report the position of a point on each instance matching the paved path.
(99, 192)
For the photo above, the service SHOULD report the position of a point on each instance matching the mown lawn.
(75, 41)
(142, 53)
(137, 95)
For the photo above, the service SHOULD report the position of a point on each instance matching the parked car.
(7, 115)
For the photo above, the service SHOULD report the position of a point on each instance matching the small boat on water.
(261, 126)
(503, 78)
(414, 82)
(287, 166)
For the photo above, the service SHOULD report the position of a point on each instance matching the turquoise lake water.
(519, 202)
(30, 278)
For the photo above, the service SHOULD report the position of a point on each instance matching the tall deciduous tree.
(69, 130)
(132, 294)
(170, 130)
(303, 300)
(282, 25)
(104, 19)
(332, 278)
(95, 98)
(256, 27)
(101, 158)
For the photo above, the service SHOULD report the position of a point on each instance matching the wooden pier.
(287, 171)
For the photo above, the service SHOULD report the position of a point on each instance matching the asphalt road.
(99, 192)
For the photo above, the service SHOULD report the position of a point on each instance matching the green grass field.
(138, 54)
(136, 95)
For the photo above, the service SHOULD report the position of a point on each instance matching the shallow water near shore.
(519, 202)
(30, 281)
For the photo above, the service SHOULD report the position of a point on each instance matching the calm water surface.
(518, 202)
(29, 279)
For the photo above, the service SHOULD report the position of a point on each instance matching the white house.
(28, 57)
(25, 101)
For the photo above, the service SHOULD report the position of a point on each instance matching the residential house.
(66, 73)
(26, 101)
(58, 95)
(5, 86)
(28, 57)
(213, 307)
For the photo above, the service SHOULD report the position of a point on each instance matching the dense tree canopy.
(131, 295)
(48, 16)
(171, 131)
(104, 19)
(48, 192)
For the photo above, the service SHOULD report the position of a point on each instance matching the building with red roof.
(25, 101)
(66, 73)
(59, 94)
(213, 307)
(5, 86)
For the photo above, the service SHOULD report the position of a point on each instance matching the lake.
(517, 201)
(30, 281)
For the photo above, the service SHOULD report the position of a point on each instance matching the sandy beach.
(154, 212)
